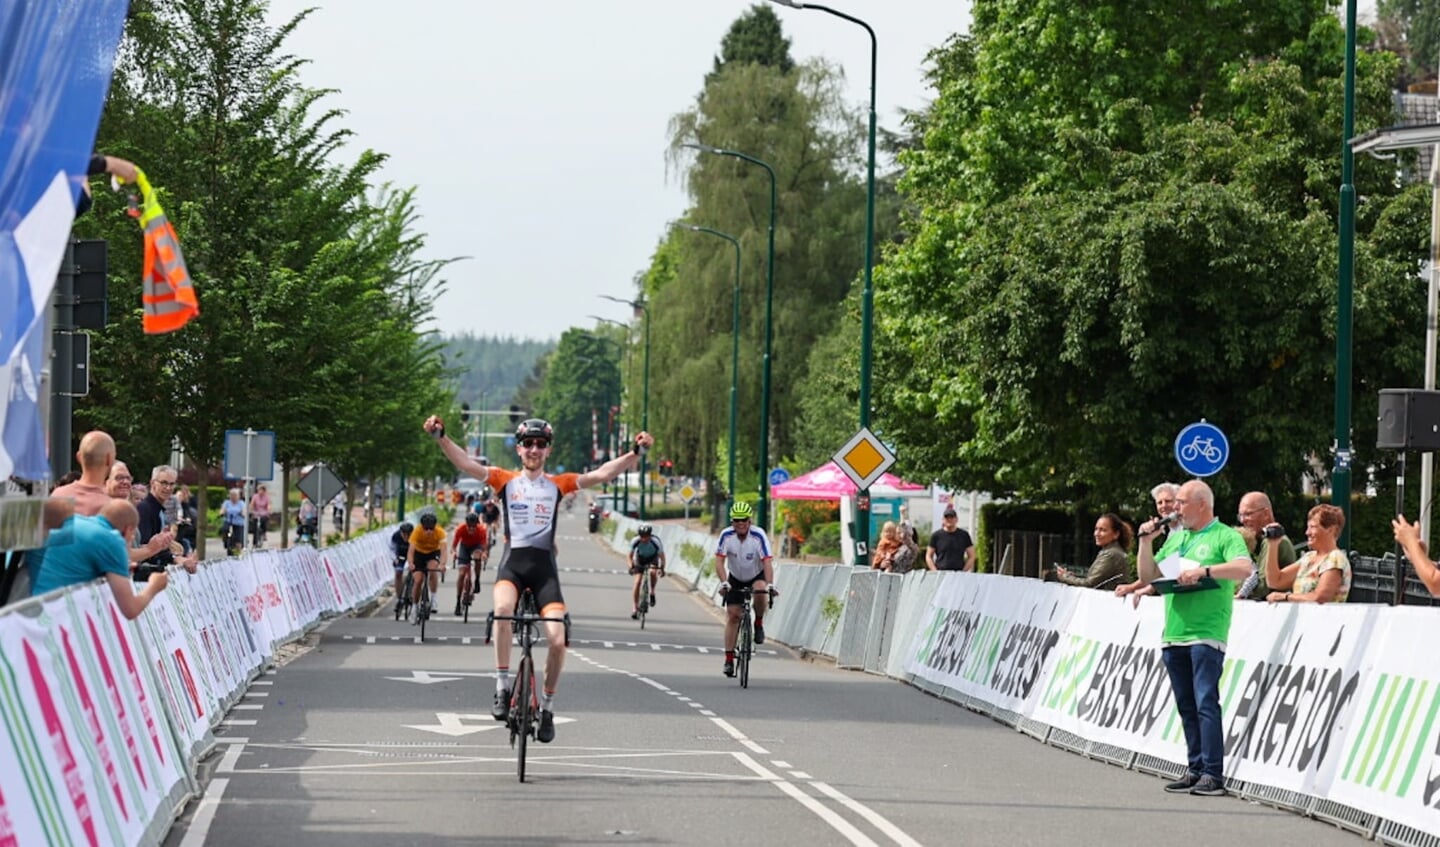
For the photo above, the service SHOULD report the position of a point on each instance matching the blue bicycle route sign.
(1201, 448)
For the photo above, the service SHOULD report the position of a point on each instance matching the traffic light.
(516, 415)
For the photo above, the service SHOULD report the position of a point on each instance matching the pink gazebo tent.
(828, 482)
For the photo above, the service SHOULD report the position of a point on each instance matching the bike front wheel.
(522, 712)
(746, 647)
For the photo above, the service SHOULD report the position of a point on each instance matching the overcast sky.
(535, 132)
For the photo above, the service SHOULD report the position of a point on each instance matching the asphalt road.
(371, 739)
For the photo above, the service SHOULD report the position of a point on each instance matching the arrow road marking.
(428, 678)
(452, 724)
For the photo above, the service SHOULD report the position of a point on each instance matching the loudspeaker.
(1409, 420)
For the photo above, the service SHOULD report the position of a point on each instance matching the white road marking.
(839, 824)
(252, 707)
(801, 775)
(784, 766)
(232, 755)
(263, 682)
(233, 722)
(740, 736)
(199, 829)
(257, 694)
(894, 832)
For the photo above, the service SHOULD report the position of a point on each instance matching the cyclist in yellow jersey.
(529, 502)
(427, 553)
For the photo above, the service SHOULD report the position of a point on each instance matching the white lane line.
(740, 737)
(250, 707)
(466, 639)
(263, 682)
(369, 639)
(839, 824)
(784, 766)
(232, 755)
(894, 832)
(199, 829)
(655, 647)
(257, 694)
(707, 713)
(801, 775)
(695, 705)
(234, 722)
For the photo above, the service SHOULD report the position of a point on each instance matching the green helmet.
(741, 511)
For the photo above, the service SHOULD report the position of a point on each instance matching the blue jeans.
(1195, 679)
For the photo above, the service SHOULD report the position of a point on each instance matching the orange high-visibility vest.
(168, 295)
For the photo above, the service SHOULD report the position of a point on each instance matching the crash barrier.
(1330, 711)
(105, 718)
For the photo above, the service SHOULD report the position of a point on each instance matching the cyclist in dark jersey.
(645, 551)
(529, 500)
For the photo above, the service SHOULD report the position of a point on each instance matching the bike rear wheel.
(423, 612)
(522, 713)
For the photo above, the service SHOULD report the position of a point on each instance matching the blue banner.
(55, 60)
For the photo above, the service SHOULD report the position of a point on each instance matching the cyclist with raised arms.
(467, 548)
(743, 557)
(529, 500)
(645, 551)
(427, 554)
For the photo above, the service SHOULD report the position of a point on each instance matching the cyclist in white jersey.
(743, 558)
(529, 500)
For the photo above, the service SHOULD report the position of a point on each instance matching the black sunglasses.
(534, 442)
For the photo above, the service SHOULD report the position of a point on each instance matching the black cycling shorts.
(734, 597)
(535, 569)
(640, 566)
(423, 560)
(468, 555)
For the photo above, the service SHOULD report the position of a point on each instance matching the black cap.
(949, 512)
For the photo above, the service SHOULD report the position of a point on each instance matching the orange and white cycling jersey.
(528, 506)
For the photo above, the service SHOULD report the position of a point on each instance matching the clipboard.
(1172, 586)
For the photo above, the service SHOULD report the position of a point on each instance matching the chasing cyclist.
(427, 553)
(645, 552)
(468, 548)
(743, 557)
(400, 545)
(529, 500)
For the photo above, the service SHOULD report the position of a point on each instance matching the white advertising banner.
(188, 701)
(991, 637)
(1390, 760)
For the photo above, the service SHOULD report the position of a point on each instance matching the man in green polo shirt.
(1205, 559)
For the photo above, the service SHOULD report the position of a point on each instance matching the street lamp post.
(644, 394)
(1344, 299)
(769, 323)
(618, 345)
(734, 346)
(867, 297)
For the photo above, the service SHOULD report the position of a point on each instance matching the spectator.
(119, 482)
(96, 455)
(1408, 534)
(1166, 513)
(1197, 625)
(67, 478)
(886, 548)
(1322, 575)
(909, 537)
(187, 519)
(86, 548)
(951, 548)
(259, 515)
(308, 513)
(232, 522)
(1255, 515)
(155, 530)
(138, 490)
(1112, 564)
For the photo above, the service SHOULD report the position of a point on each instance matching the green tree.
(1065, 307)
(1411, 29)
(582, 379)
(754, 38)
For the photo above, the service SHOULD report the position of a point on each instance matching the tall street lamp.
(734, 344)
(769, 323)
(867, 298)
(1344, 298)
(618, 345)
(639, 305)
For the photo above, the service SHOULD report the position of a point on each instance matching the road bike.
(423, 604)
(402, 591)
(745, 640)
(646, 591)
(467, 585)
(524, 698)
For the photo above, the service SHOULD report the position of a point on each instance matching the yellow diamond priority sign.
(687, 493)
(864, 458)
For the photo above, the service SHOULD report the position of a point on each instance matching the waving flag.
(169, 297)
(55, 63)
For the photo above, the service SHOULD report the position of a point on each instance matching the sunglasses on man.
(534, 442)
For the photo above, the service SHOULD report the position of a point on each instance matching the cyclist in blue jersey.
(646, 551)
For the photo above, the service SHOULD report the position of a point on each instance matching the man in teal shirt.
(84, 548)
(1204, 559)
